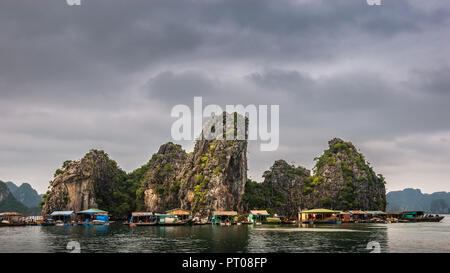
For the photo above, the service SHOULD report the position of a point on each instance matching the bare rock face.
(215, 174)
(87, 183)
(159, 186)
(344, 180)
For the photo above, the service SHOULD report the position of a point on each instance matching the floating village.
(181, 217)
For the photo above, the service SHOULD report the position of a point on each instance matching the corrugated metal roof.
(259, 212)
(225, 213)
(357, 212)
(374, 212)
(142, 214)
(62, 213)
(92, 211)
(180, 211)
(319, 211)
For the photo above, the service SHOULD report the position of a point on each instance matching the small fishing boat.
(426, 219)
(419, 216)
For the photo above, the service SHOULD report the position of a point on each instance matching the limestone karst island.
(210, 186)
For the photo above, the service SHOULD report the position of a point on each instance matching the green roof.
(319, 211)
(342, 212)
(374, 212)
(92, 211)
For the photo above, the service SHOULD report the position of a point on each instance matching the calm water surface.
(401, 237)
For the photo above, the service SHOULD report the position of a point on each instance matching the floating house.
(359, 215)
(180, 214)
(393, 216)
(344, 217)
(224, 217)
(318, 216)
(63, 217)
(258, 216)
(11, 219)
(93, 217)
(143, 219)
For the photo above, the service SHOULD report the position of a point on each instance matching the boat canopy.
(61, 213)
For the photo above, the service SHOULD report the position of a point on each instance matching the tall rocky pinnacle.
(344, 180)
(215, 173)
(87, 183)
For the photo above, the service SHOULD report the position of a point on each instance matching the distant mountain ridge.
(23, 198)
(414, 199)
(8, 202)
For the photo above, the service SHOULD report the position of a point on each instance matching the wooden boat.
(144, 224)
(289, 222)
(426, 219)
(100, 223)
(7, 224)
(11, 219)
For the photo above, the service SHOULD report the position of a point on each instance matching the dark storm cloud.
(107, 73)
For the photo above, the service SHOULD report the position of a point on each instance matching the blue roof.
(62, 213)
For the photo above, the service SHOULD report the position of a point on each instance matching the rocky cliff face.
(87, 183)
(281, 192)
(159, 186)
(214, 176)
(289, 180)
(215, 173)
(344, 180)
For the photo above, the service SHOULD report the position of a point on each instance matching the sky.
(106, 75)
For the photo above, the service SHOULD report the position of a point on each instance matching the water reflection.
(207, 238)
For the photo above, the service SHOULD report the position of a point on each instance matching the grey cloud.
(105, 75)
(176, 88)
